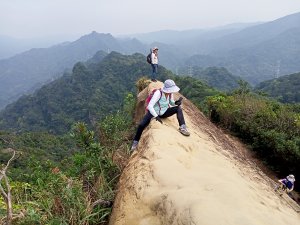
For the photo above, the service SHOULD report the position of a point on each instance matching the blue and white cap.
(170, 87)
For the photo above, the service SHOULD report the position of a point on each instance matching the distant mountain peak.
(94, 36)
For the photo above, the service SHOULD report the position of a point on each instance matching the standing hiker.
(154, 63)
(159, 107)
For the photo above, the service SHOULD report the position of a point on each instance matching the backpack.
(149, 60)
(150, 97)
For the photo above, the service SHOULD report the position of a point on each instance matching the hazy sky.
(39, 18)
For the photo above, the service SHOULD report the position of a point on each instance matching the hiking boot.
(134, 145)
(183, 130)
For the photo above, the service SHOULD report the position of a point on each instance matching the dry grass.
(142, 83)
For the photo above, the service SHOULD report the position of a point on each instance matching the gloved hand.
(178, 102)
(159, 119)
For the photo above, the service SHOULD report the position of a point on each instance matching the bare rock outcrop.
(207, 178)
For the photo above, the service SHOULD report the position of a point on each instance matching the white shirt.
(154, 58)
(164, 105)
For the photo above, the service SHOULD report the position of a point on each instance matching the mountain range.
(25, 72)
(11, 46)
(176, 37)
(253, 52)
(256, 53)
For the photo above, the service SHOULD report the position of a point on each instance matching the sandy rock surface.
(206, 178)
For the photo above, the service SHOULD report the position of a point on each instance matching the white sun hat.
(291, 178)
(170, 87)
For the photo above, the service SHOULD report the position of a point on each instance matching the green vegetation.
(285, 89)
(195, 90)
(63, 179)
(34, 146)
(271, 128)
(60, 178)
(80, 187)
(216, 77)
(88, 94)
(30, 70)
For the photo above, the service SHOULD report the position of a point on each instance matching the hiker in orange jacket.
(159, 107)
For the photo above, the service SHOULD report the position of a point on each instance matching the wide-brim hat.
(291, 178)
(170, 87)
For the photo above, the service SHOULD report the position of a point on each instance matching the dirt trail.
(206, 178)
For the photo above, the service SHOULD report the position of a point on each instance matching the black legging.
(147, 118)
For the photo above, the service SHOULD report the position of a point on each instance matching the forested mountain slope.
(29, 70)
(93, 89)
(217, 77)
(87, 94)
(285, 89)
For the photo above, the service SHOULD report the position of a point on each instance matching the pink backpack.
(150, 96)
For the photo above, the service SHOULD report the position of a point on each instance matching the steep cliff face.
(206, 178)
